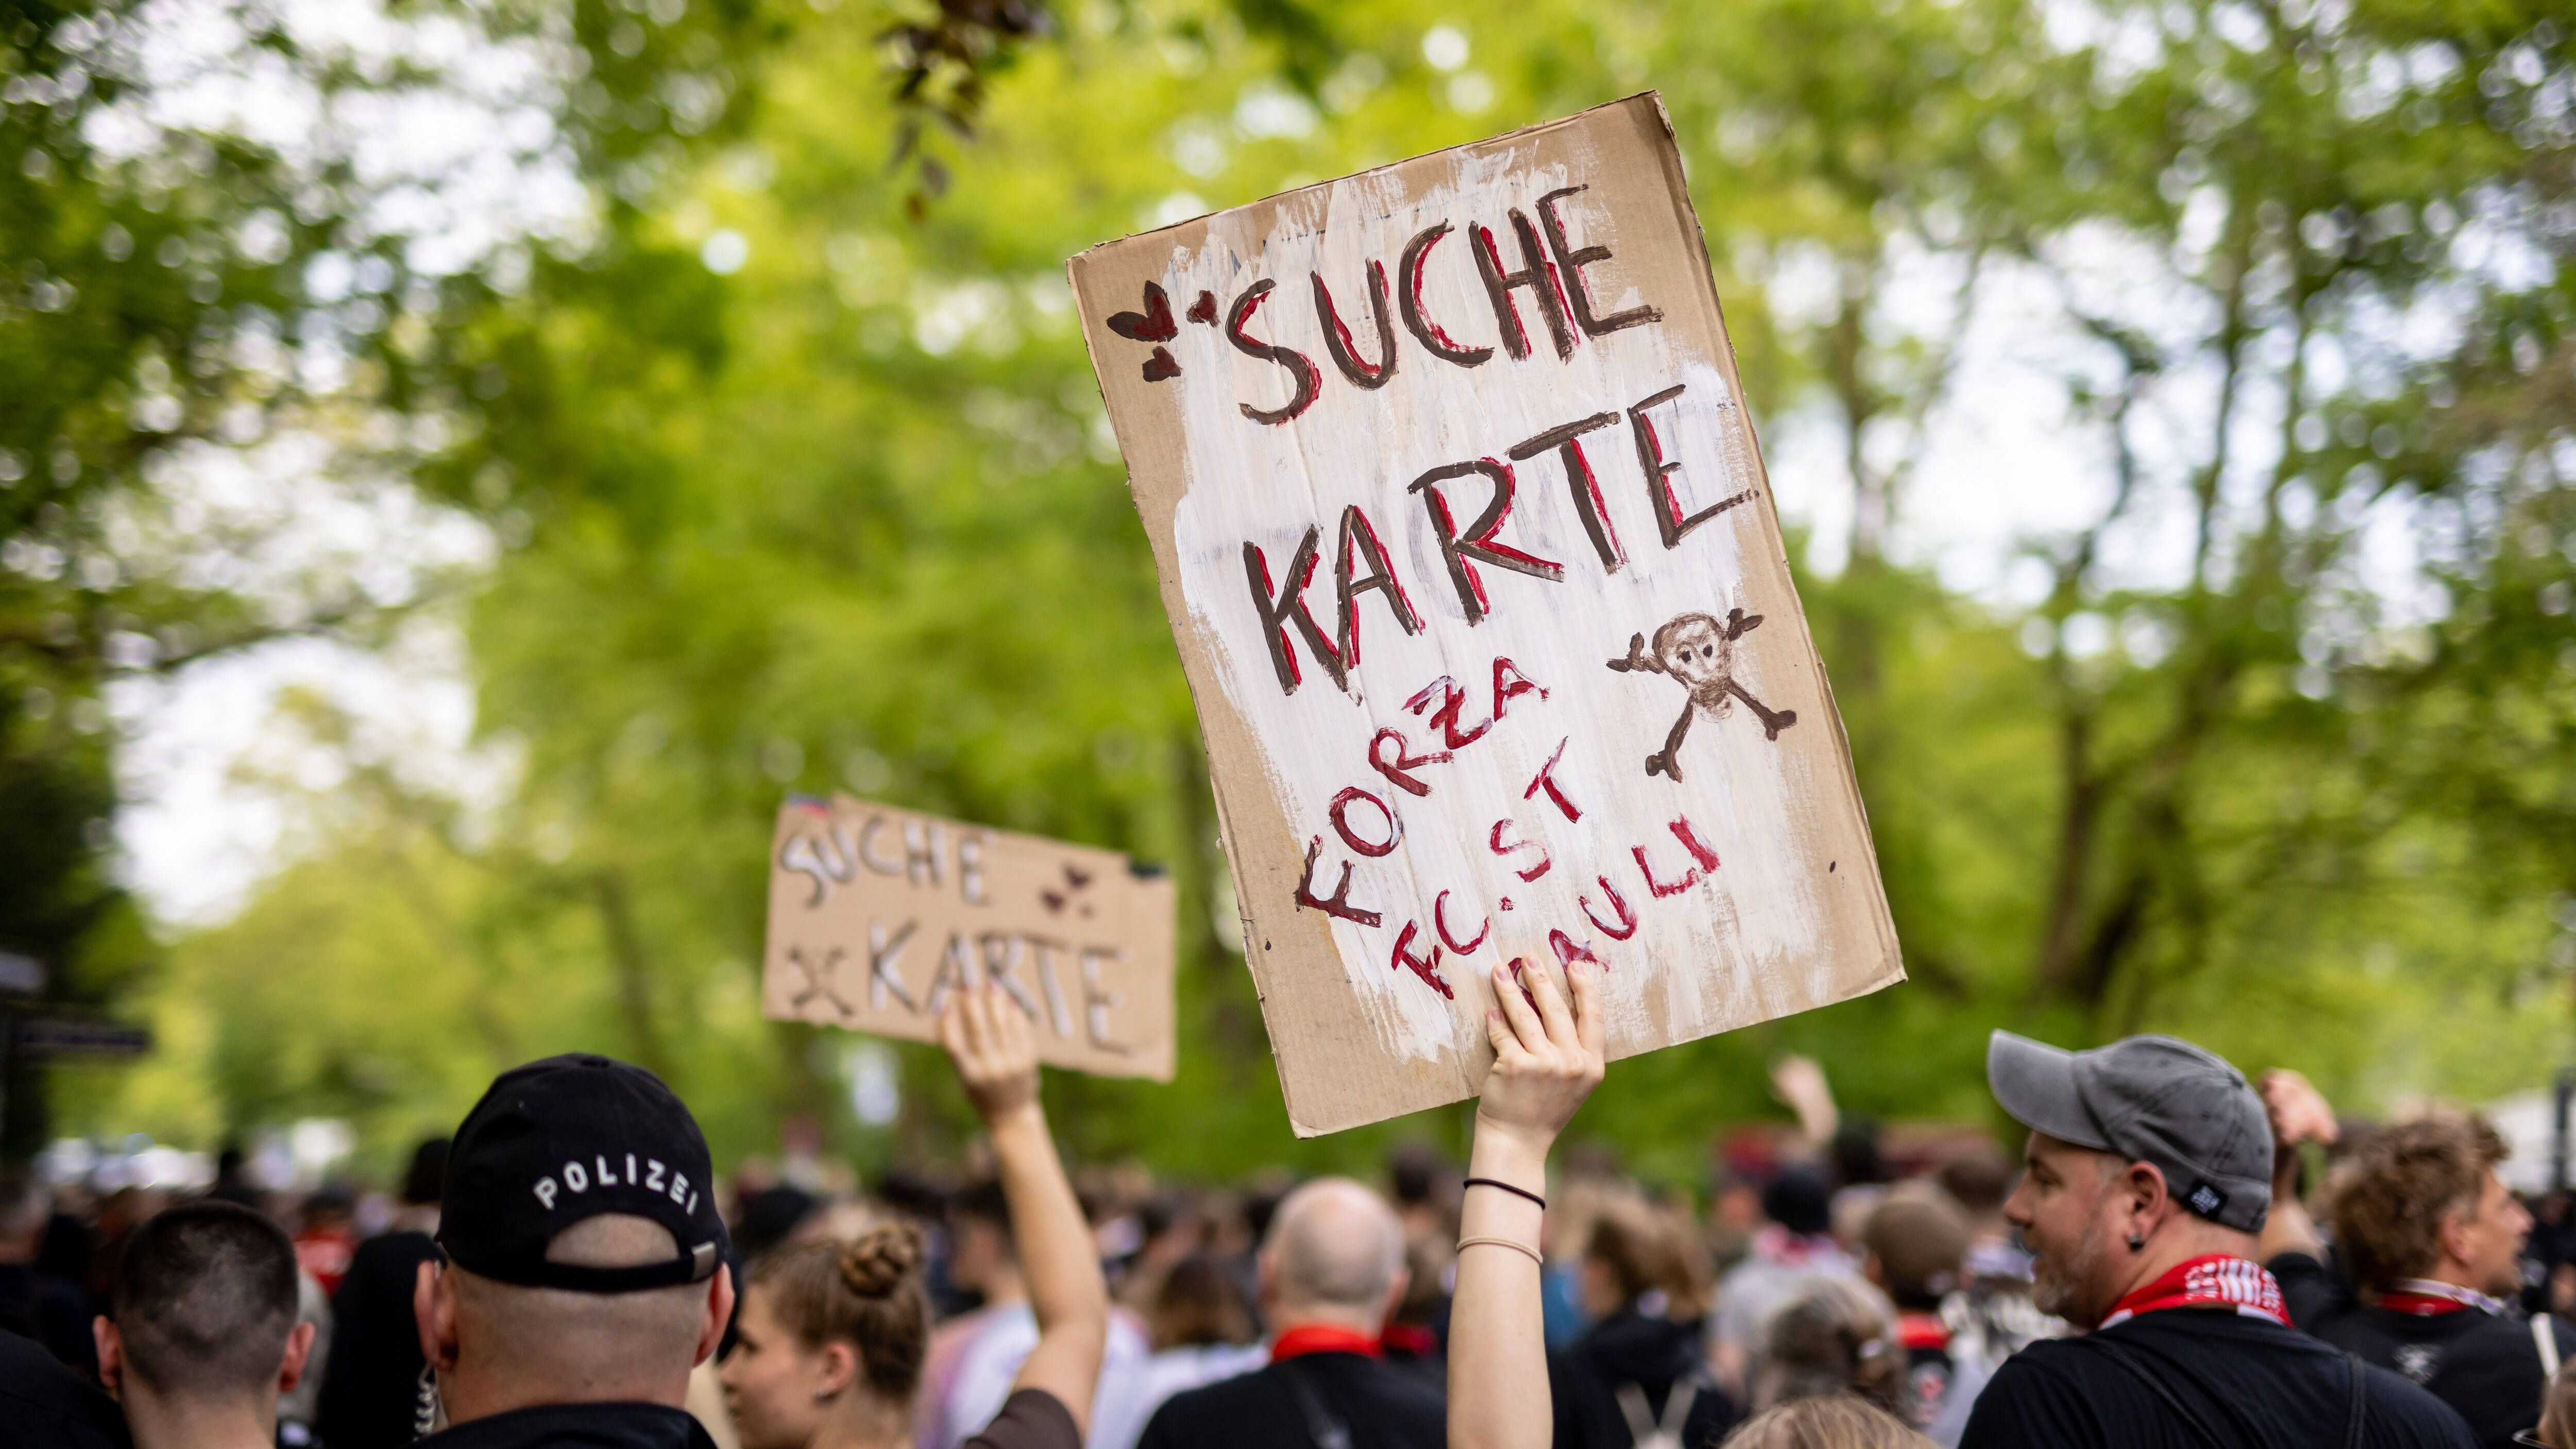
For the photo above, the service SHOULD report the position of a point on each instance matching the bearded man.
(2148, 1176)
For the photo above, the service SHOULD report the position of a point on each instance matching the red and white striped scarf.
(2212, 1280)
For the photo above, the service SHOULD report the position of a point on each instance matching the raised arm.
(2299, 1113)
(988, 1036)
(1800, 1083)
(1547, 1059)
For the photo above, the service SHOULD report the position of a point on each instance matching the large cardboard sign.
(876, 914)
(1471, 558)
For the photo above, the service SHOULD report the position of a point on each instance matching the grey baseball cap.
(2154, 1099)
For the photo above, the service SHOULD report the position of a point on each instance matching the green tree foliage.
(803, 484)
(146, 309)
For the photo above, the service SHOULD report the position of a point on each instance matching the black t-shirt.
(2485, 1365)
(578, 1426)
(371, 1382)
(1630, 1348)
(1380, 1405)
(2249, 1382)
(44, 1405)
(1030, 1419)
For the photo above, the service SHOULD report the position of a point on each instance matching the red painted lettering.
(1660, 470)
(1480, 543)
(1568, 951)
(1449, 938)
(1571, 260)
(1546, 780)
(1445, 719)
(1706, 857)
(1340, 813)
(1398, 771)
(1435, 341)
(1511, 684)
(1495, 842)
(1359, 538)
(1283, 608)
(1339, 902)
(1627, 918)
(1428, 970)
(1301, 371)
(1661, 890)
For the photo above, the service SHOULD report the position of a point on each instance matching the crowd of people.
(2179, 1257)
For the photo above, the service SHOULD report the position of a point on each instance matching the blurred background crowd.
(1835, 1256)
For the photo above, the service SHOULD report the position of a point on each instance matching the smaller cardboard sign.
(876, 914)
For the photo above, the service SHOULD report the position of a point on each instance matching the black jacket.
(371, 1383)
(2485, 1365)
(44, 1405)
(1380, 1405)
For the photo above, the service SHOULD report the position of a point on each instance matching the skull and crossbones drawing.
(1698, 651)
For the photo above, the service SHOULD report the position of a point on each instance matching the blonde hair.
(1835, 1421)
(1834, 1337)
(2558, 1408)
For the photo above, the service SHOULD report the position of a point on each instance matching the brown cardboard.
(876, 914)
(1404, 810)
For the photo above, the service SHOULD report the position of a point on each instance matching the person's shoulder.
(2045, 1394)
(1400, 1388)
(50, 1405)
(2296, 1263)
(2051, 1368)
(2423, 1419)
(1209, 1401)
(2048, 1358)
(2315, 1291)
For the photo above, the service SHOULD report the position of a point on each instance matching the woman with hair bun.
(828, 1347)
(829, 1344)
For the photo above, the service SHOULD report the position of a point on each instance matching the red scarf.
(2424, 1298)
(1308, 1338)
(1922, 1330)
(1410, 1338)
(2212, 1280)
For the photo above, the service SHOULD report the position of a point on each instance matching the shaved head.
(204, 1300)
(501, 1346)
(1334, 1245)
(590, 1333)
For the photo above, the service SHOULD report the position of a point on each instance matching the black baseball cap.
(2153, 1099)
(566, 1139)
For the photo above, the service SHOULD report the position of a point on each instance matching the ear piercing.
(2137, 1242)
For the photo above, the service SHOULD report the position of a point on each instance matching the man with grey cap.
(2147, 1176)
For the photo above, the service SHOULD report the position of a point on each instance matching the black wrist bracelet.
(1507, 1187)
